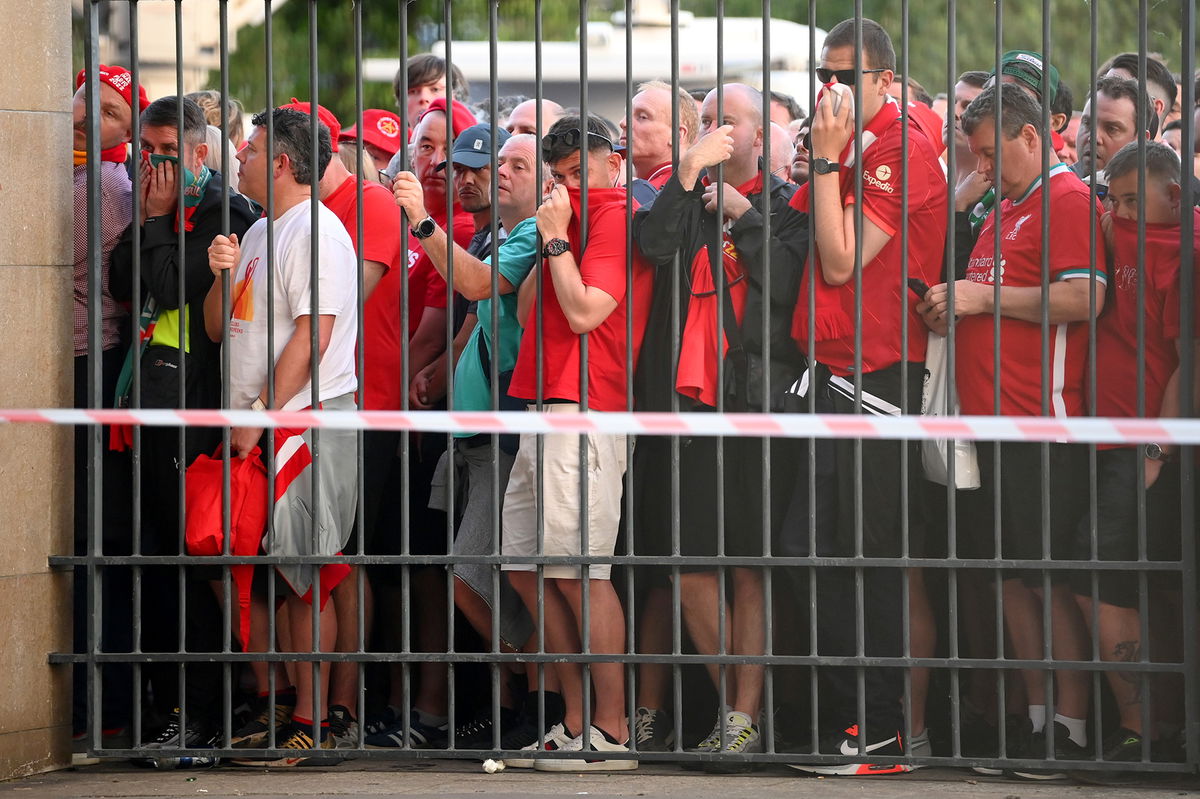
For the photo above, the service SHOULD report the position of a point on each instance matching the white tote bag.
(938, 399)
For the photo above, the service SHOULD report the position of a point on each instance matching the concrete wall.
(35, 371)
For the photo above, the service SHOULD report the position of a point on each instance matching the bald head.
(743, 112)
(516, 179)
(746, 98)
(781, 150)
(523, 118)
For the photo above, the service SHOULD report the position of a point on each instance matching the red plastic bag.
(247, 517)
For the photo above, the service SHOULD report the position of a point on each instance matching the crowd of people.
(731, 252)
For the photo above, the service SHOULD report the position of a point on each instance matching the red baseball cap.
(463, 118)
(121, 80)
(380, 128)
(324, 114)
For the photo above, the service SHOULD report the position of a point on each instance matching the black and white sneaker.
(846, 743)
(652, 731)
(174, 735)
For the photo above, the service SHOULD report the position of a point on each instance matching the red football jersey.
(884, 163)
(601, 265)
(1021, 247)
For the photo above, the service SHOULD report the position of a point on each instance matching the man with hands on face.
(846, 360)
(682, 222)
(585, 291)
(246, 259)
(1073, 282)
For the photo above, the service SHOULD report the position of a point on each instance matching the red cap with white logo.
(381, 129)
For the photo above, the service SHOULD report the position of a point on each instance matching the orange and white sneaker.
(846, 743)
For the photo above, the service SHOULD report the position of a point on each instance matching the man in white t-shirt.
(287, 304)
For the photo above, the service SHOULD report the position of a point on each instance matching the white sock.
(1077, 728)
(1037, 714)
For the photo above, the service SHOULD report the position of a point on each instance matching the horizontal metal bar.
(683, 561)
(554, 657)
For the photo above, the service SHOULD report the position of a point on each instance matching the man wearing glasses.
(867, 353)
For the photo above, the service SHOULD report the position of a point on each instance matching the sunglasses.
(569, 139)
(846, 77)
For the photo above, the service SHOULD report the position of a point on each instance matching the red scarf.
(698, 357)
(116, 154)
(831, 320)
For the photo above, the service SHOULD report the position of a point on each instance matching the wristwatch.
(424, 229)
(258, 404)
(555, 247)
(1154, 452)
(823, 166)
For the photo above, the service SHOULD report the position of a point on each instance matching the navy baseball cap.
(473, 147)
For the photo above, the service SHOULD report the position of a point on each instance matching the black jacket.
(676, 222)
(160, 269)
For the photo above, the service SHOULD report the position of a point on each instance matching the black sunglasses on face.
(569, 139)
(845, 77)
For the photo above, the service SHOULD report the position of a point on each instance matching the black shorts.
(1020, 503)
(699, 492)
(972, 512)
(1117, 533)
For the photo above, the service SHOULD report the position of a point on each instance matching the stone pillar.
(35, 371)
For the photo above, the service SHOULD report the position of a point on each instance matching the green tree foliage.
(928, 48)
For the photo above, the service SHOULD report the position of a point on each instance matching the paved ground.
(458, 779)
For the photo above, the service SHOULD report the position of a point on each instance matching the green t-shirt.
(518, 255)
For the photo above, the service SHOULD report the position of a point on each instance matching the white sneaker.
(599, 744)
(552, 741)
(919, 746)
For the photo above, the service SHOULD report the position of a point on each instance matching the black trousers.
(831, 523)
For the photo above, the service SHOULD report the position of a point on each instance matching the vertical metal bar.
(949, 276)
(226, 512)
(676, 598)
(314, 351)
(811, 348)
(1187, 355)
(631, 527)
(585, 616)
(272, 618)
(719, 288)
(181, 436)
(136, 389)
(905, 581)
(405, 437)
(859, 599)
(540, 369)
(451, 487)
(766, 701)
(493, 375)
(360, 571)
(95, 476)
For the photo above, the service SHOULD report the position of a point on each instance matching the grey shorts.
(337, 504)
(473, 534)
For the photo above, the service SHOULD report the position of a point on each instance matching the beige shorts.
(561, 490)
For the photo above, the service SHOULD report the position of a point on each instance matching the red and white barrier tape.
(785, 425)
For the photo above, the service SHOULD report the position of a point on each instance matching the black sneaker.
(980, 738)
(1064, 749)
(652, 731)
(525, 730)
(194, 735)
(846, 743)
(476, 732)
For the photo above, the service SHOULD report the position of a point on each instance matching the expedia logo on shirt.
(880, 178)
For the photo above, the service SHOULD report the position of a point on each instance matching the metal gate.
(777, 472)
